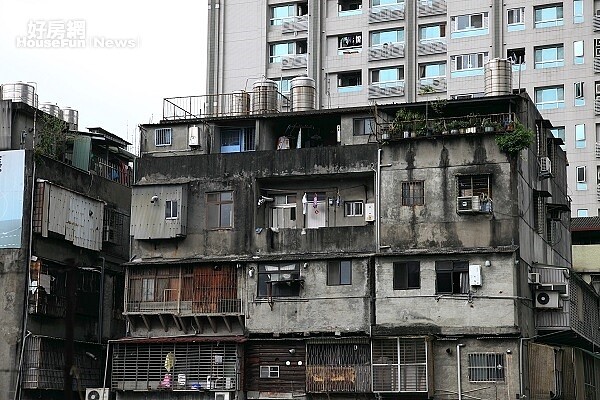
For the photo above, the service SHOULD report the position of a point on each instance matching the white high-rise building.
(362, 52)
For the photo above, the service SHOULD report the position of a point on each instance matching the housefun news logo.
(67, 34)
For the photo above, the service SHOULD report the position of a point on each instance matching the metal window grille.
(162, 136)
(413, 193)
(115, 225)
(474, 185)
(400, 365)
(143, 366)
(486, 367)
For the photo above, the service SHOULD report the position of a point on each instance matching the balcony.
(116, 172)
(432, 85)
(295, 24)
(293, 61)
(596, 23)
(386, 13)
(178, 295)
(386, 52)
(431, 7)
(387, 89)
(597, 105)
(433, 46)
(597, 64)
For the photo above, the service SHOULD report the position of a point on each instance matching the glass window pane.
(212, 214)
(226, 196)
(226, 214)
(345, 273)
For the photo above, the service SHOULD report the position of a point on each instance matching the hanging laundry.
(315, 201)
(304, 204)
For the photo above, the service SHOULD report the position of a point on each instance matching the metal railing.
(239, 103)
(386, 13)
(120, 173)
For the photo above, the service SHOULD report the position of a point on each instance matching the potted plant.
(406, 121)
(512, 142)
(488, 125)
(453, 126)
(471, 126)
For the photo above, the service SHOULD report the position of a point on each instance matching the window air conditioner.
(221, 396)
(533, 278)
(545, 167)
(97, 393)
(467, 204)
(546, 299)
(193, 136)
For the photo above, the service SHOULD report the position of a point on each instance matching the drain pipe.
(377, 200)
(458, 346)
(102, 395)
(101, 302)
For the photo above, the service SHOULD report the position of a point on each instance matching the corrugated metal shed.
(159, 211)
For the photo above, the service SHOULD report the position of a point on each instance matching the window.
(162, 137)
(279, 50)
(432, 32)
(549, 57)
(580, 173)
(428, 72)
(353, 208)
(468, 64)
(548, 16)
(550, 97)
(349, 7)
(269, 371)
(486, 367)
(579, 95)
(279, 280)
(474, 185)
(237, 140)
(363, 126)
(387, 77)
(400, 365)
(349, 81)
(517, 58)
(219, 210)
(283, 213)
(582, 212)
(413, 193)
(516, 19)
(376, 3)
(452, 277)
(580, 136)
(469, 25)
(577, 11)
(339, 273)
(407, 275)
(578, 52)
(284, 85)
(281, 13)
(148, 289)
(559, 132)
(350, 41)
(387, 37)
(171, 209)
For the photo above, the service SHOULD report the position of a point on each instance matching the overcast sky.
(115, 88)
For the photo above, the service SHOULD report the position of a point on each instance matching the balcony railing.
(386, 51)
(386, 13)
(388, 89)
(434, 46)
(597, 105)
(120, 173)
(431, 7)
(597, 64)
(432, 85)
(295, 24)
(293, 61)
(230, 104)
(596, 23)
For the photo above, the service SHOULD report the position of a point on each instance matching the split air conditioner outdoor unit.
(467, 204)
(97, 393)
(546, 299)
(533, 278)
(221, 396)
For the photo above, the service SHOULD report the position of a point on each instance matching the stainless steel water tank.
(71, 116)
(303, 93)
(240, 102)
(20, 93)
(498, 77)
(52, 109)
(264, 96)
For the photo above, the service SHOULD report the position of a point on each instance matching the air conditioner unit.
(467, 204)
(533, 278)
(97, 393)
(545, 167)
(221, 396)
(193, 136)
(562, 289)
(546, 299)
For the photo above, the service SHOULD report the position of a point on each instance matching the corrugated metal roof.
(585, 224)
(181, 339)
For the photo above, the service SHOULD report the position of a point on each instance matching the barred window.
(162, 137)
(399, 365)
(486, 367)
(412, 193)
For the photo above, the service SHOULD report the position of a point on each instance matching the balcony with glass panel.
(386, 45)
(428, 8)
(386, 89)
(386, 10)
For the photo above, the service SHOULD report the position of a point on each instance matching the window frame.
(272, 372)
(578, 52)
(580, 138)
(163, 135)
(470, 29)
(345, 80)
(558, 102)
(375, 75)
(551, 22)
(353, 208)
(291, 206)
(210, 208)
(413, 193)
(579, 94)
(279, 287)
(343, 277)
(456, 271)
(425, 28)
(171, 209)
(543, 51)
(578, 17)
(581, 173)
(485, 372)
(379, 42)
(406, 275)
(278, 21)
(359, 126)
(514, 26)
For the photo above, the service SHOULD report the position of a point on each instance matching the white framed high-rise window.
(579, 94)
(580, 174)
(281, 13)
(548, 16)
(549, 56)
(578, 52)
(432, 32)
(582, 212)
(430, 71)
(580, 136)
(393, 36)
(349, 81)
(515, 19)
(468, 64)
(387, 77)
(549, 97)
(469, 25)
(577, 11)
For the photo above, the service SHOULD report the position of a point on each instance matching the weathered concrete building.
(64, 231)
(384, 252)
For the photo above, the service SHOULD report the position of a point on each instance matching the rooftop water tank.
(20, 93)
(303, 93)
(498, 77)
(264, 96)
(71, 116)
(240, 102)
(52, 109)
